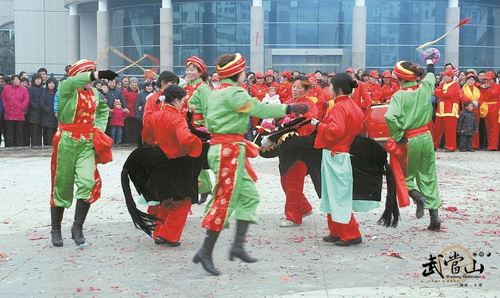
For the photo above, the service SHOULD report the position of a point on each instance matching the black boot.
(56, 216)
(435, 224)
(238, 250)
(82, 208)
(204, 255)
(419, 200)
(203, 198)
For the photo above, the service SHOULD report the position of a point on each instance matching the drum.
(376, 126)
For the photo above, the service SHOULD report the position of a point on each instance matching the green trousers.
(73, 163)
(422, 169)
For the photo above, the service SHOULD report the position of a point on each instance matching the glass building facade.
(395, 28)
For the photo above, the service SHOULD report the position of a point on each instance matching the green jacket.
(199, 98)
(68, 99)
(410, 109)
(230, 109)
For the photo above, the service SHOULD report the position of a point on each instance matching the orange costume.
(447, 113)
(292, 182)
(388, 90)
(258, 90)
(176, 141)
(375, 92)
(490, 106)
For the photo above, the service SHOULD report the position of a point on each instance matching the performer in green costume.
(78, 146)
(227, 118)
(408, 116)
(197, 96)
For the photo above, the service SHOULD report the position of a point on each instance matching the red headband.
(198, 63)
(232, 68)
(80, 66)
(404, 73)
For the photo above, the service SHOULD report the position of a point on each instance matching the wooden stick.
(133, 64)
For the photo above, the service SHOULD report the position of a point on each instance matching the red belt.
(411, 133)
(77, 130)
(102, 142)
(251, 150)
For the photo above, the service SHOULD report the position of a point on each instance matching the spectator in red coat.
(373, 88)
(259, 89)
(15, 99)
(285, 87)
(388, 86)
(132, 126)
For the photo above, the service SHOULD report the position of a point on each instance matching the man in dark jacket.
(34, 116)
(115, 93)
(466, 127)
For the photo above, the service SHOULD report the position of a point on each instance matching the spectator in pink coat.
(15, 100)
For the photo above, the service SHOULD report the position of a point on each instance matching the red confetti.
(38, 237)
(451, 209)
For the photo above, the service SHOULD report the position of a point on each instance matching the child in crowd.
(271, 97)
(466, 127)
(117, 121)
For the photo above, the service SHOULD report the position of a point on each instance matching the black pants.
(48, 135)
(14, 133)
(26, 133)
(130, 130)
(139, 136)
(36, 134)
(483, 136)
(465, 143)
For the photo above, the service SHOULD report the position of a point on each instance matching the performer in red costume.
(259, 89)
(447, 111)
(490, 106)
(336, 132)
(270, 79)
(388, 86)
(373, 88)
(285, 87)
(315, 93)
(153, 104)
(297, 206)
(172, 135)
(360, 95)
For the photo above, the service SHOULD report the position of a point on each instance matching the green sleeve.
(102, 112)
(68, 87)
(427, 86)
(244, 103)
(199, 99)
(393, 117)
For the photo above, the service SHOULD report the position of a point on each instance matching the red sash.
(251, 150)
(411, 133)
(102, 142)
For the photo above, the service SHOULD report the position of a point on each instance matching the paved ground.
(121, 261)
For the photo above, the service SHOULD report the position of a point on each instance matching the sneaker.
(449, 150)
(307, 214)
(289, 224)
(349, 242)
(331, 238)
(471, 150)
(160, 240)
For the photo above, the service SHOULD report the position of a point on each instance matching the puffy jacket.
(141, 102)
(35, 105)
(115, 94)
(15, 101)
(47, 103)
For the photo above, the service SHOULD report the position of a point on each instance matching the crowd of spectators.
(28, 104)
